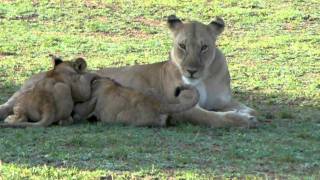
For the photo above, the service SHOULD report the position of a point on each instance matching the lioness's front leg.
(200, 116)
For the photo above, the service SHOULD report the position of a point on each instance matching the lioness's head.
(194, 46)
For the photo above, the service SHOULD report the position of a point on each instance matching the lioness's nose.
(191, 72)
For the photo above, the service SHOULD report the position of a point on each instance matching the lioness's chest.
(203, 94)
(212, 97)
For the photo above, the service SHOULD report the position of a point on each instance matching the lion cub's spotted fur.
(111, 102)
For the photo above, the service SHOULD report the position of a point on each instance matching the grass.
(273, 54)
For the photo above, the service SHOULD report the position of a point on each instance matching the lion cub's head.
(73, 73)
(76, 66)
(194, 46)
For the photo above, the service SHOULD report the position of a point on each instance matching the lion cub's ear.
(55, 60)
(177, 91)
(174, 23)
(217, 25)
(80, 65)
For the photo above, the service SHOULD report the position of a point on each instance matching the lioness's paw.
(248, 111)
(240, 119)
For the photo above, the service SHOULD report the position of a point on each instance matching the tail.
(185, 101)
(46, 121)
(20, 125)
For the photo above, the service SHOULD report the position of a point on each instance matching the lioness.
(194, 60)
(111, 102)
(50, 99)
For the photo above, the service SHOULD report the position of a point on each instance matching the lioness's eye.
(204, 48)
(182, 46)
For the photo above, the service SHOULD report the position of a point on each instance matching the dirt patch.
(35, 3)
(6, 1)
(100, 5)
(4, 54)
(312, 75)
(102, 19)
(101, 34)
(48, 33)
(128, 33)
(28, 17)
(149, 22)
(137, 34)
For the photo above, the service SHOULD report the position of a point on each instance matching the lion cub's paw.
(11, 119)
(240, 119)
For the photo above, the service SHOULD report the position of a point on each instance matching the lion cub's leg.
(19, 114)
(7, 108)
(5, 111)
(66, 122)
(127, 117)
(12, 119)
(47, 118)
(141, 118)
(83, 110)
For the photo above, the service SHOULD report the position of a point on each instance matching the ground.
(272, 48)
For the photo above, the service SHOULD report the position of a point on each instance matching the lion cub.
(111, 102)
(52, 99)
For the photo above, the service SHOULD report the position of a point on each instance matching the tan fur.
(51, 99)
(111, 102)
(194, 52)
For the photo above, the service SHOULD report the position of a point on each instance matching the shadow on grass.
(286, 142)
(280, 105)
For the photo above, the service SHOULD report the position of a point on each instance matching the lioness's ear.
(174, 23)
(80, 64)
(55, 60)
(217, 25)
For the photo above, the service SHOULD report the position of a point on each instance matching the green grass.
(273, 54)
